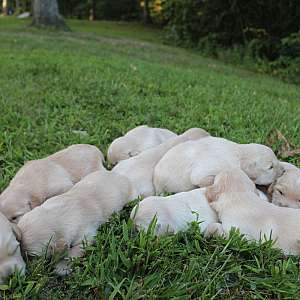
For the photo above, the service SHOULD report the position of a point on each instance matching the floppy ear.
(17, 231)
(213, 192)
(271, 189)
(249, 168)
(34, 202)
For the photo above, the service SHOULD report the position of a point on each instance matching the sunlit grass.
(105, 80)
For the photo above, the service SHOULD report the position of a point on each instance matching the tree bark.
(45, 14)
(93, 11)
(147, 15)
(4, 7)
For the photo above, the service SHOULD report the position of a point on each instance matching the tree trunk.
(4, 7)
(93, 11)
(18, 7)
(147, 15)
(45, 13)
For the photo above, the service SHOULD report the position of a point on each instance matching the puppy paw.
(214, 229)
(63, 268)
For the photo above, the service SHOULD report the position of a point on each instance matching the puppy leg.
(63, 268)
(214, 229)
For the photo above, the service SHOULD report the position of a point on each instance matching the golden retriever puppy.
(136, 141)
(174, 213)
(139, 169)
(65, 222)
(195, 164)
(41, 179)
(233, 198)
(285, 191)
(10, 254)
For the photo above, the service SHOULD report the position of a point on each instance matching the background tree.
(4, 7)
(146, 12)
(45, 13)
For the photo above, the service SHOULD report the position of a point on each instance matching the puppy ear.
(211, 193)
(34, 202)
(271, 189)
(249, 167)
(17, 231)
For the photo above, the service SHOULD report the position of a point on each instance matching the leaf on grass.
(285, 148)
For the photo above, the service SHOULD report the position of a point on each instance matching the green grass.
(106, 78)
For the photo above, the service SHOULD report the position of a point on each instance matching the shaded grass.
(105, 80)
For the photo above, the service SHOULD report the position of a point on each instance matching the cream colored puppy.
(233, 198)
(139, 169)
(41, 179)
(196, 163)
(285, 191)
(65, 222)
(136, 141)
(10, 254)
(174, 213)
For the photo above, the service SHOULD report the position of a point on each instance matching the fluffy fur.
(285, 191)
(10, 254)
(195, 164)
(64, 222)
(233, 198)
(139, 169)
(41, 179)
(135, 141)
(173, 213)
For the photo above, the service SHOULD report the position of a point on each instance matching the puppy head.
(10, 255)
(195, 133)
(260, 163)
(120, 149)
(14, 204)
(230, 181)
(285, 191)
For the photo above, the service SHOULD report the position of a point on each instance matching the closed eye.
(15, 218)
(271, 167)
(280, 192)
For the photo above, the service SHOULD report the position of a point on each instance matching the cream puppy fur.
(174, 213)
(285, 191)
(10, 254)
(41, 179)
(139, 169)
(195, 163)
(135, 141)
(233, 198)
(65, 222)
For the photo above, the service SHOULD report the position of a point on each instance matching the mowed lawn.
(106, 78)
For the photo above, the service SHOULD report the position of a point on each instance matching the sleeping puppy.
(233, 198)
(174, 212)
(135, 141)
(41, 179)
(10, 254)
(66, 222)
(285, 191)
(139, 169)
(195, 164)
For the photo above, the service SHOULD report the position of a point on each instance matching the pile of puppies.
(57, 203)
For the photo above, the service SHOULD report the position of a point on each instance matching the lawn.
(105, 78)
